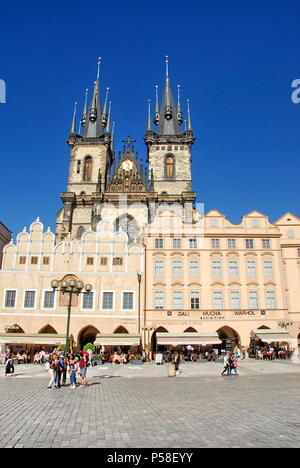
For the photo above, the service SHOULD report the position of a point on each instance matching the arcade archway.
(154, 339)
(229, 337)
(87, 335)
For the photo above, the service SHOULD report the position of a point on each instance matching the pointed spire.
(108, 118)
(168, 123)
(98, 71)
(113, 137)
(149, 123)
(157, 114)
(73, 127)
(84, 115)
(179, 112)
(93, 127)
(93, 108)
(104, 114)
(189, 123)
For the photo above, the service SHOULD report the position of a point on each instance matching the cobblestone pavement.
(126, 406)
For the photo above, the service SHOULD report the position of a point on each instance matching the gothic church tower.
(169, 148)
(91, 159)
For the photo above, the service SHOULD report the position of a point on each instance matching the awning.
(273, 336)
(118, 339)
(188, 339)
(38, 339)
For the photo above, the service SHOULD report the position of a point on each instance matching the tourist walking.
(233, 364)
(226, 364)
(176, 361)
(9, 368)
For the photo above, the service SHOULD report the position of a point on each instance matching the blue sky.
(235, 61)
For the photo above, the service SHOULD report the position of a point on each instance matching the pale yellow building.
(227, 281)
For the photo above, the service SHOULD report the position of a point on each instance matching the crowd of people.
(62, 365)
(26, 357)
(120, 357)
(270, 353)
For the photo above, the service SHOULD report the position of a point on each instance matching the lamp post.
(139, 278)
(70, 287)
(148, 329)
(285, 323)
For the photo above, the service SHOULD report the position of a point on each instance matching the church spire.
(93, 127)
(73, 126)
(104, 114)
(179, 112)
(168, 123)
(84, 115)
(189, 122)
(149, 123)
(108, 118)
(157, 114)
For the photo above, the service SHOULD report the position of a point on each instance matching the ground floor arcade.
(108, 333)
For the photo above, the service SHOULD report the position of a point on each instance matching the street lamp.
(285, 323)
(70, 287)
(148, 329)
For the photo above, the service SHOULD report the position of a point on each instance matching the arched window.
(170, 166)
(87, 171)
(80, 231)
(127, 224)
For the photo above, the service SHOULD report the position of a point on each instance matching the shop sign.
(244, 312)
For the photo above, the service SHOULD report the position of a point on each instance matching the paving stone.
(196, 409)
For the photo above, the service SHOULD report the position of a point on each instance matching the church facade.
(163, 272)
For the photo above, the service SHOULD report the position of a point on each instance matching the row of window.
(215, 243)
(217, 300)
(34, 260)
(88, 299)
(194, 268)
(89, 260)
